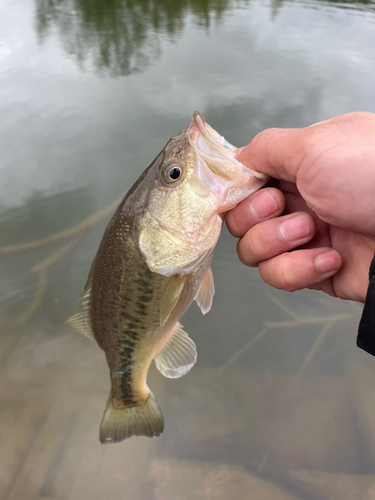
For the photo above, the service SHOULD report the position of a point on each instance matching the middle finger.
(275, 236)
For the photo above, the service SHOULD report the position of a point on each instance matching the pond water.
(280, 403)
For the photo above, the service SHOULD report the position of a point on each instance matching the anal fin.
(178, 355)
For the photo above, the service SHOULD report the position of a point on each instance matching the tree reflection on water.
(121, 37)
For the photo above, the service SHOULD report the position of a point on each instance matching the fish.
(154, 259)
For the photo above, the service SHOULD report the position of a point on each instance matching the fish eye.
(175, 173)
(172, 172)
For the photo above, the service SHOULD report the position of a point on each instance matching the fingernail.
(295, 228)
(327, 261)
(263, 206)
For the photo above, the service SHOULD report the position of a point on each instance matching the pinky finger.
(300, 269)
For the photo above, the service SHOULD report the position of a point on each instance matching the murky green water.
(280, 404)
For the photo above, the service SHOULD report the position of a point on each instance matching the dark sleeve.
(366, 329)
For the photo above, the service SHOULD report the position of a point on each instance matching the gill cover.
(169, 253)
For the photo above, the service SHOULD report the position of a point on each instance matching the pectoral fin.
(170, 296)
(206, 292)
(178, 356)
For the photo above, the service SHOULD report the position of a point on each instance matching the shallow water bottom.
(230, 432)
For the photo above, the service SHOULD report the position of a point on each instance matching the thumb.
(276, 152)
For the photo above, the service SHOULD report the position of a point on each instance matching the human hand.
(324, 209)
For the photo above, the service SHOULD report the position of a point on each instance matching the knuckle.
(287, 275)
(254, 244)
(263, 139)
(247, 251)
(245, 255)
(231, 223)
(278, 273)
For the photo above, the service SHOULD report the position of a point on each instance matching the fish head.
(227, 179)
(186, 190)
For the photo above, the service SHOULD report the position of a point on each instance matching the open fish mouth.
(205, 138)
(217, 153)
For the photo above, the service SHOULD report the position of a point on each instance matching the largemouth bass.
(153, 261)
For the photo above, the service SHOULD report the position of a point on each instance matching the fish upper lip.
(198, 121)
(198, 128)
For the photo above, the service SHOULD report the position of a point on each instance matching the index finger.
(259, 206)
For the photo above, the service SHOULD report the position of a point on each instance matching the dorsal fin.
(85, 295)
(178, 355)
(170, 296)
(80, 322)
(206, 292)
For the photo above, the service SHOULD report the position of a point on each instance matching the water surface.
(280, 403)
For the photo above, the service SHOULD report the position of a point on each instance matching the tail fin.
(121, 423)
